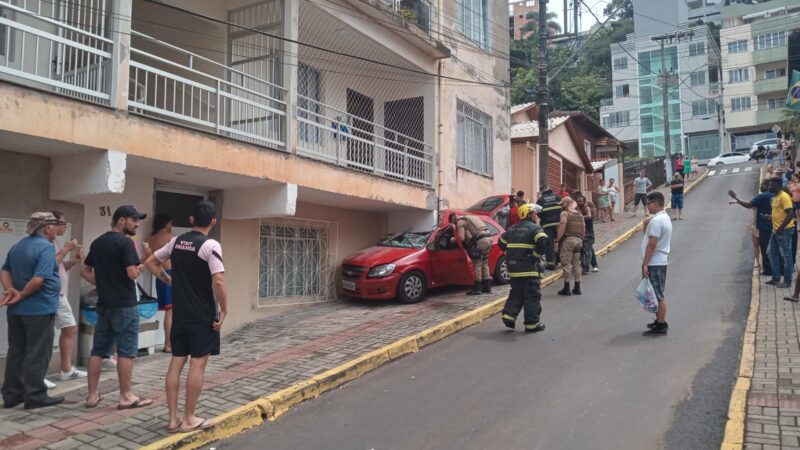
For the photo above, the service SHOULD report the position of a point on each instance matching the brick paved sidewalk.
(772, 418)
(261, 358)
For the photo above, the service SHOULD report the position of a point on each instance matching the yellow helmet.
(528, 208)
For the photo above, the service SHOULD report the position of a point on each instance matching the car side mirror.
(431, 246)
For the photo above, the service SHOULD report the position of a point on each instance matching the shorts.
(640, 198)
(677, 201)
(118, 326)
(194, 339)
(164, 293)
(64, 316)
(658, 278)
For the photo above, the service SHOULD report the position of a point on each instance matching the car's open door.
(450, 264)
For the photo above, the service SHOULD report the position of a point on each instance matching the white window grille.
(474, 145)
(473, 21)
(297, 261)
(740, 103)
(737, 47)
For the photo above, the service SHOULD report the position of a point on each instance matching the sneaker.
(773, 282)
(72, 374)
(653, 324)
(49, 384)
(534, 328)
(109, 364)
(657, 330)
(784, 286)
(595, 269)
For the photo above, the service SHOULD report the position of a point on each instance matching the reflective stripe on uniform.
(549, 225)
(509, 317)
(532, 326)
(523, 274)
(539, 236)
(528, 246)
(503, 241)
(536, 255)
(551, 208)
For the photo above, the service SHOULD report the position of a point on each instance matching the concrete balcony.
(607, 103)
(770, 85)
(769, 116)
(770, 55)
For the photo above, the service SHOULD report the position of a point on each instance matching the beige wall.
(523, 173)
(738, 120)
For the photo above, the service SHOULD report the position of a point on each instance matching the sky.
(586, 20)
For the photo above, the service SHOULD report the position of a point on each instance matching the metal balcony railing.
(419, 12)
(173, 84)
(334, 136)
(58, 47)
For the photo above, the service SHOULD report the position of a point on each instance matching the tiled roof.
(531, 128)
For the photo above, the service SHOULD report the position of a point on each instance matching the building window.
(738, 46)
(618, 119)
(740, 103)
(704, 108)
(297, 261)
(604, 121)
(769, 40)
(587, 147)
(647, 124)
(698, 78)
(474, 139)
(6, 38)
(622, 90)
(620, 63)
(473, 21)
(697, 48)
(738, 75)
(645, 95)
(775, 73)
(776, 103)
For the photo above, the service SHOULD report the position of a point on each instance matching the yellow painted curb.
(274, 405)
(737, 408)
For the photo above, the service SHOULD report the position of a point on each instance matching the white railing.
(41, 49)
(186, 88)
(419, 12)
(334, 136)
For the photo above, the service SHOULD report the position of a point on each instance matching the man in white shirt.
(655, 251)
(641, 185)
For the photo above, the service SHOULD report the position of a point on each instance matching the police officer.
(550, 217)
(474, 235)
(524, 243)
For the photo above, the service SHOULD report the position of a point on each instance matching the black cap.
(128, 211)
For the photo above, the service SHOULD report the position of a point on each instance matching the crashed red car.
(405, 265)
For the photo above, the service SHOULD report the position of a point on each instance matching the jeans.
(30, 346)
(118, 326)
(763, 244)
(780, 251)
(588, 257)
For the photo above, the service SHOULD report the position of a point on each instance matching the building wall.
(519, 11)
(737, 120)
(524, 165)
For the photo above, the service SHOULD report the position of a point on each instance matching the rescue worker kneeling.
(524, 244)
(571, 231)
(474, 235)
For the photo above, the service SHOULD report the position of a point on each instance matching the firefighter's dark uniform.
(524, 243)
(549, 219)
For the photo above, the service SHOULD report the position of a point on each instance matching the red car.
(489, 206)
(405, 265)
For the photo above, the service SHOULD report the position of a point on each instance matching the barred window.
(474, 134)
(473, 17)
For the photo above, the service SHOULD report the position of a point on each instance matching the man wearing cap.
(31, 283)
(113, 266)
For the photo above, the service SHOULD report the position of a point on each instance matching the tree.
(619, 9)
(532, 27)
(791, 122)
(583, 93)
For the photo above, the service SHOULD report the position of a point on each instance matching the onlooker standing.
(473, 232)
(695, 166)
(588, 257)
(159, 237)
(603, 201)
(763, 205)
(564, 192)
(30, 279)
(641, 185)
(571, 230)
(687, 168)
(521, 197)
(198, 278)
(613, 196)
(65, 319)
(513, 216)
(679, 163)
(783, 227)
(676, 185)
(549, 218)
(655, 252)
(113, 266)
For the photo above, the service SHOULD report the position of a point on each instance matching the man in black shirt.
(198, 276)
(113, 266)
(676, 185)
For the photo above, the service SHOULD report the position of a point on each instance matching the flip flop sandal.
(139, 403)
(203, 425)
(176, 429)
(94, 405)
(791, 299)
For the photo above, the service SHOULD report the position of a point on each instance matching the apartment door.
(360, 151)
(405, 131)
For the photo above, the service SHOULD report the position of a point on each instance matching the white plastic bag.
(647, 296)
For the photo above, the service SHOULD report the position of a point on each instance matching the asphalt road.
(591, 380)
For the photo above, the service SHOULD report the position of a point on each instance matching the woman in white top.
(613, 196)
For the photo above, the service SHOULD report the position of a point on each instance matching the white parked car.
(729, 158)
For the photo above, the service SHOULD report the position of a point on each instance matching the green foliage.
(583, 93)
(791, 121)
(622, 9)
(714, 28)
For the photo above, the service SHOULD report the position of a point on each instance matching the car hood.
(376, 255)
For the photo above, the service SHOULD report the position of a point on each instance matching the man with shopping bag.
(655, 251)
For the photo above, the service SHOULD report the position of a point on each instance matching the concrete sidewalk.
(260, 359)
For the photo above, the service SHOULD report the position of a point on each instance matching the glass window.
(769, 40)
(622, 90)
(474, 139)
(737, 47)
(619, 119)
(645, 95)
(621, 63)
(698, 78)
(776, 103)
(740, 103)
(473, 17)
(697, 48)
(738, 75)
(775, 73)
(647, 124)
(704, 107)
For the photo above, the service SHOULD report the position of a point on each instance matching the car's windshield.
(487, 204)
(413, 239)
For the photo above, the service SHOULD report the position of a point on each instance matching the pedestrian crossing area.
(732, 171)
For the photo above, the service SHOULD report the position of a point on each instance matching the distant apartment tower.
(756, 40)
(518, 17)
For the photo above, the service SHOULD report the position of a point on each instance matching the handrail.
(9, 5)
(193, 56)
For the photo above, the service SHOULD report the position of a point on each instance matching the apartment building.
(756, 40)
(518, 11)
(635, 114)
(317, 126)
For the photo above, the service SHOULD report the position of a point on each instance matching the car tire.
(720, 163)
(412, 287)
(501, 271)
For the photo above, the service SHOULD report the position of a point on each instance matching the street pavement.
(590, 380)
(257, 360)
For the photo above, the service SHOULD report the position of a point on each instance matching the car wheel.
(412, 287)
(720, 163)
(501, 271)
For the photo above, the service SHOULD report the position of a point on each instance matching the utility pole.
(541, 97)
(665, 80)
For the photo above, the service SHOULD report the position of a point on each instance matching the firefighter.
(550, 217)
(474, 235)
(524, 244)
